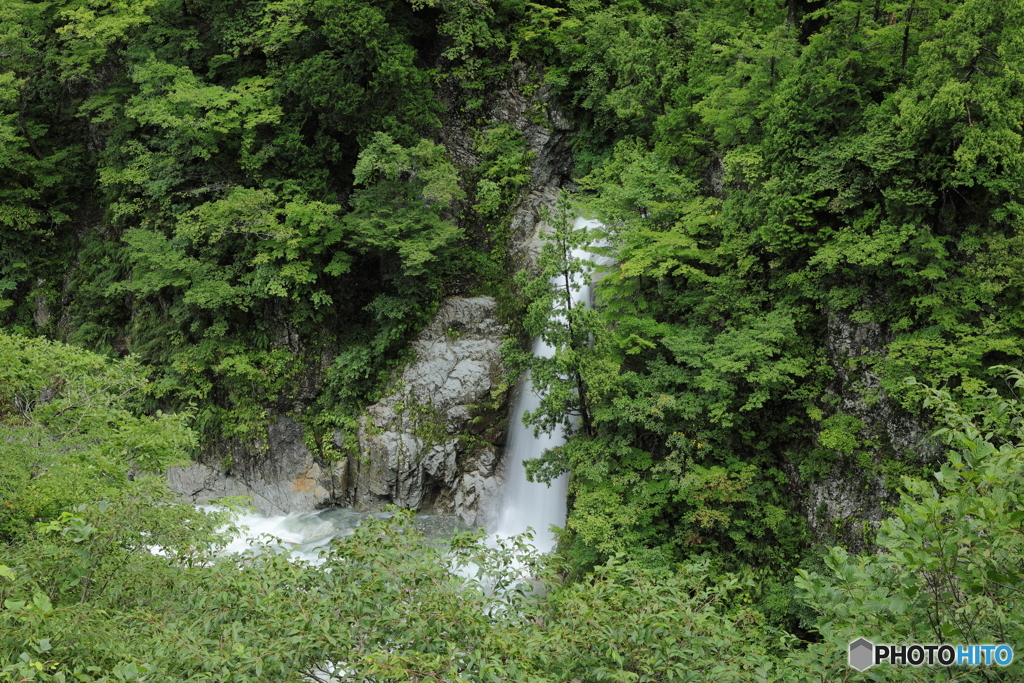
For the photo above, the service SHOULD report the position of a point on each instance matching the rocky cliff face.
(434, 443)
(286, 478)
(548, 140)
(865, 430)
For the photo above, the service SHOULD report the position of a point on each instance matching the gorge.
(292, 250)
(507, 504)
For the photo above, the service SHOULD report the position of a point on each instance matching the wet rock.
(479, 492)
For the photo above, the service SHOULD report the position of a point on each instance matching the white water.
(304, 534)
(524, 504)
(533, 504)
(307, 534)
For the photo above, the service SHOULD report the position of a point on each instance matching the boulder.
(418, 445)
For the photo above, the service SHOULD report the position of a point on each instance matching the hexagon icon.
(861, 651)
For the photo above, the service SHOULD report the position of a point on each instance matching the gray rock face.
(548, 141)
(291, 479)
(846, 505)
(41, 315)
(430, 445)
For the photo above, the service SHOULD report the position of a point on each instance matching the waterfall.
(523, 503)
(534, 504)
(526, 503)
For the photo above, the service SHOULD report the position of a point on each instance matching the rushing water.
(524, 504)
(533, 504)
(306, 534)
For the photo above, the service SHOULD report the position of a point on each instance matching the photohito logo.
(864, 654)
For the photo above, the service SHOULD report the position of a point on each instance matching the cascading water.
(534, 504)
(524, 504)
(306, 534)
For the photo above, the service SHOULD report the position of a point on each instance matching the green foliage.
(608, 53)
(678, 468)
(949, 560)
(212, 186)
(562, 318)
(43, 169)
(472, 33)
(70, 430)
(626, 624)
(807, 204)
(504, 169)
(86, 598)
(383, 604)
(398, 215)
(780, 184)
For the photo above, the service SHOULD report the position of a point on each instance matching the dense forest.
(794, 409)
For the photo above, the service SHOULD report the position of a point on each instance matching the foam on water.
(306, 534)
(303, 534)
